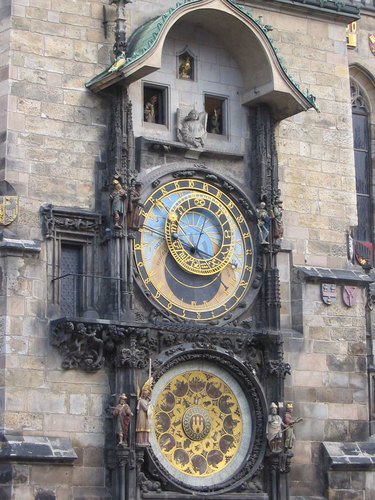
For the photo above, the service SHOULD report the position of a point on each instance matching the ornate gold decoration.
(197, 423)
(8, 209)
(191, 255)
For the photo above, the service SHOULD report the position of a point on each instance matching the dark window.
(215, 108)
(71, 281)
(155, 104)
(363, 232)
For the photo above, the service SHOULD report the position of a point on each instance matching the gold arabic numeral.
(205, 303)
(157, 295)
(249, 251)
(191, 183)
(193, 303)
(183, 315)
(198, 314)
(246, 235)
(177, 184)
(205, 187)
(248, 268)
(240, 219)
(219, 195)
(243, 283)
(163, 191)
(230, 205)
(142, 212)
(170, 305)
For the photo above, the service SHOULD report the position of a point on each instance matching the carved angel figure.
(192, 130)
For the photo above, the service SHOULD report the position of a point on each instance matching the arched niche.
(264, 78)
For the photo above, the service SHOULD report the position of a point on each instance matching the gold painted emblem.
(352, 34)
(8, 209)
(197, 423)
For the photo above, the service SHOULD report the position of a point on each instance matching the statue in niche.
(214, 121)
(185, 67)
(134, 205)
(118, 198)
(144, 413)
(122, 414)
(192, 130)
(263, 223)
(274, 432)
(150, 109)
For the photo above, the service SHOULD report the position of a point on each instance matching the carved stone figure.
(289, 436)
(192, 130)
(144, 411)
(134, 205)
(278, 225)
(122, 414)
(118, 197)
(274, 432)
(263, 223)
(150, 108)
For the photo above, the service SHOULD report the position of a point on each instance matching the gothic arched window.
(361, 139)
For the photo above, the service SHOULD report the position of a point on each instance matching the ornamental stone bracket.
(92, 344)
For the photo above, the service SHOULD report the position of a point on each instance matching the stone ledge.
(350, 456)
(339, 276)
(36, 449)
(13, 245)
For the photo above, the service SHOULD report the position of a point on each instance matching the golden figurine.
(118, 63)
(185, 69)
(144, 412)
(118, 199)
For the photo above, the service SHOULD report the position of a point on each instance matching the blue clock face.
(194, 250)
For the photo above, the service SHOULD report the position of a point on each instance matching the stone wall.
(56, 142)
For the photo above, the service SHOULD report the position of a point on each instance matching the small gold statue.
(118, 63)
(185, 69)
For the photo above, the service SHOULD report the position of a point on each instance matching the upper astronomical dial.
(194, 250)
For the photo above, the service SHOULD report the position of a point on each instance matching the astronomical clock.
(195, 251)
(195, 256)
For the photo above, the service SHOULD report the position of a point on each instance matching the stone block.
(51, 475)
(339, 480)
(336, 430)
(88, 476)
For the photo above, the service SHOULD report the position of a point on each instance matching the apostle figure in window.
(150, 110)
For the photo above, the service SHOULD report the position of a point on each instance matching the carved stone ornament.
(68, 220)
(329, 293)
(349, 295)
(192, 129)
(8, 209)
